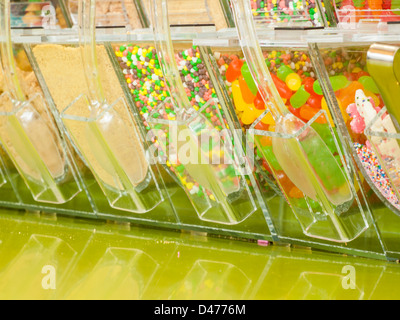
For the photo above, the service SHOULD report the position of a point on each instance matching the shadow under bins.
(146, 264)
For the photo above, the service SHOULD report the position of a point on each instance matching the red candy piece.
(234, 70)
(247, 95)
(266, 166)
(362, 74)
(315, 101)
(282, 88)
(261, 126)
(284, 181)
(259, 102)
(308, 85)
(294, 111)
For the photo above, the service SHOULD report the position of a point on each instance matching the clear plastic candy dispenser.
(321, 196)
(106, 137)
(383, 131)
(201, 154)
(29, 135)
(304, 158)
(222, 194)
(207, 14)
(354, 13)
(110, 13)
(39, 14)
(382, 126)
(297, 13)
(361, 86)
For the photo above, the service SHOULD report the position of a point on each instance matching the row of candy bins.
(382, 129)
(97, 195)
(50, 14)
(297, 13)
(195, 144)
(360, 109)
(207, 13)
(150, 95)
(249, 113)
(213, 14)
(352, 13)
(111, 13)
(136, 14)
(104, 141)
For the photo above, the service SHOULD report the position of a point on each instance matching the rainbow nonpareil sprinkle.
(377, 175)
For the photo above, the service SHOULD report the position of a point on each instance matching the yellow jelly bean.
(240, 104)
(324, 106)
(250, 115)
(293, 81)
(268, 119)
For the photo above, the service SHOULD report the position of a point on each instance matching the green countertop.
(53, 257)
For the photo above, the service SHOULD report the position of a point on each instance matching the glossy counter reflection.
(95, 260)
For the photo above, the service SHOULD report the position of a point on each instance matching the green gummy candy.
(338, 82)
(249, 79)
(283, 72)
(317, 87)
(270, 156)
(369, 84)
(299, 98)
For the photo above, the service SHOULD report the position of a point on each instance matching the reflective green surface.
(96, 260)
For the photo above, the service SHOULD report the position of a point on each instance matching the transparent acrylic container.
(353, 90)
(327, 207)
(289, 14)
(111, 13)
(33, 144)
(28, 132)
(186, 191)
(43, 14)
(111, 148)
(194, 147)
(383, 135)
(211, 14)
(16, 192)
(279, 204)
(353, 14)
(358, 107)
(109, 180)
